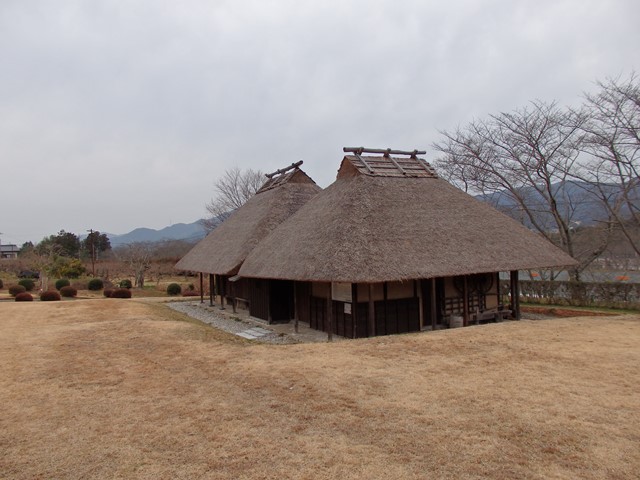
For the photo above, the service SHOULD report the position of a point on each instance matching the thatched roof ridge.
(365, 228)
(386, 166)
(225, 248)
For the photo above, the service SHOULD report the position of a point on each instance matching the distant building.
(9, 251)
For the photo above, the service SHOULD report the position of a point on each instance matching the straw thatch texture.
(378, 228)
(225, 248)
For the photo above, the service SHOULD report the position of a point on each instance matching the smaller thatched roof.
(387, 219)
(225, 248)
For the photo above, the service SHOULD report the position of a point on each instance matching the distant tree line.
(542, 162)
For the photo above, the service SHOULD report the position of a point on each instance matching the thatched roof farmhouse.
(222, 252)
(390, 247)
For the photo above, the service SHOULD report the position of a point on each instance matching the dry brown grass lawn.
(122, 389)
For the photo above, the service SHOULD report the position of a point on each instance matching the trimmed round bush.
(68, 291)
(50, 296)
(107, 292)
(126, 283)
(95, 284)
(1, 284)
(16, 289)
(24, 297)
(190, 293)
(174, 289)
(121, 293)
(63, 282)
(27, 283)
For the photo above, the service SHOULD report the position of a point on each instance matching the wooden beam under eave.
(201, 288)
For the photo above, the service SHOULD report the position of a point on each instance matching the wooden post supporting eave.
(295, 307)
(354, 308)
(211, 289)
(465, 301)
(201, 288)
(434, 310)
(221, 291)
(372, 313)
(329, 315)
(515, 294)
(421, 312)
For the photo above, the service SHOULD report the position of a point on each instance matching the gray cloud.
(115, 115)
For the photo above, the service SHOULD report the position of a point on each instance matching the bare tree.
(526, 157)
(612, 146)
(138, 257)
(231, 192)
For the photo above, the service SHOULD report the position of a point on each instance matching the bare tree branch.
(232, 191)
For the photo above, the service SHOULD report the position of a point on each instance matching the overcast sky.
(122, 114)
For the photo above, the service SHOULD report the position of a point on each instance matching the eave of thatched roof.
(225, 248)
(374, 228)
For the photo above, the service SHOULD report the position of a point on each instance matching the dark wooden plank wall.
(392, 316)
(259, 298)
(397, 316)
(303, 301)
(317, 313)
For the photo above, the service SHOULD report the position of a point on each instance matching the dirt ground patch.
(125, 389)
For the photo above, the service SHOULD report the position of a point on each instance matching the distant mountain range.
(573, 197)
(179, 231)
(576, 201)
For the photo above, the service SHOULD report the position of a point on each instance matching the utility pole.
(93, 253)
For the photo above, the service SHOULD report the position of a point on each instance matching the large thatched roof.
(380, 222)
(225, 248)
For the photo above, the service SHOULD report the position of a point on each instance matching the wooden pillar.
(434, 309)
(329, 315)
(221, 291)
(201, 288)
(420, 304)
(465, 301)
(372, 313)
(295, 307)
(211, 289)
(515, 294)
(354, 308)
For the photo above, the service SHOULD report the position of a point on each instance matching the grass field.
(128, 389)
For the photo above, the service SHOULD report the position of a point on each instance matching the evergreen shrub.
(50, 296)
(68, 291)
(63, 282)
(16, 289)
(24, 297)
(174, 289)
(95, 284)
(121, 293)
(27, 283)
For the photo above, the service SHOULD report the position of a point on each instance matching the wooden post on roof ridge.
(284, 170)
